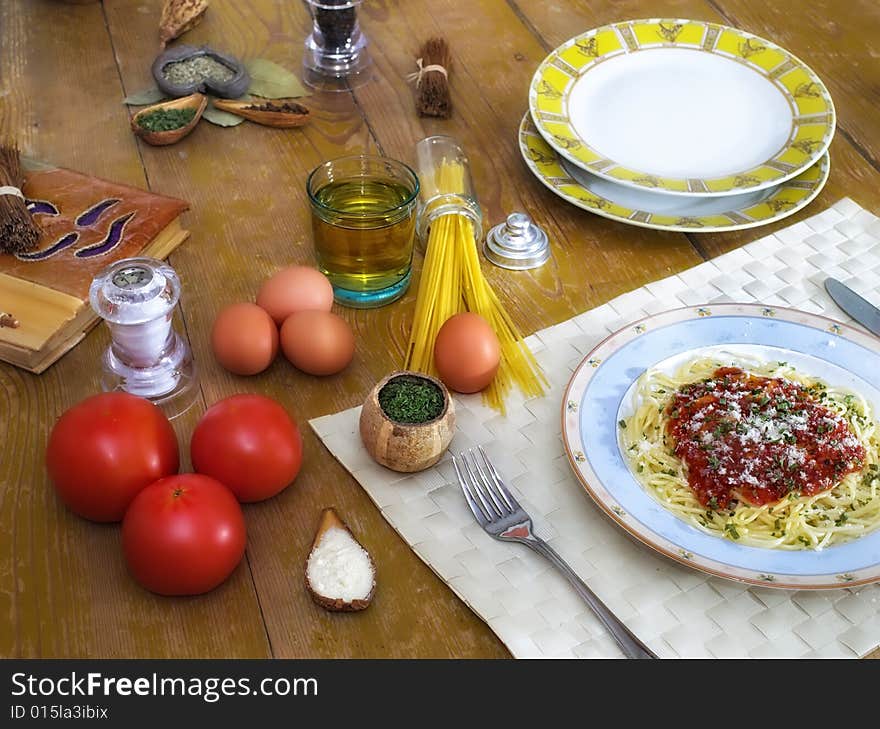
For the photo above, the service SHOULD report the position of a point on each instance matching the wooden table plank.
(64, 590)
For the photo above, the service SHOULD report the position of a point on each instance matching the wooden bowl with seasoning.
(195, 102)
(407, 421)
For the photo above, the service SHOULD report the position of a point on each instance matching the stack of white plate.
(678, 125)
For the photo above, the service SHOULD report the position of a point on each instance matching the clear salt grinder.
(136, 298)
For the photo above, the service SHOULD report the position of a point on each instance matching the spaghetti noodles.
(764, 456)
(452, 282)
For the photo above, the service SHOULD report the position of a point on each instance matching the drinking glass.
(363, 220)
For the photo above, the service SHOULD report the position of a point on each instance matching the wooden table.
(64, 591)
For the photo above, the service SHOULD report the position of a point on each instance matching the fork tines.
(485, 491)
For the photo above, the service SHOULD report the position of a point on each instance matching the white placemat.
(675, 610)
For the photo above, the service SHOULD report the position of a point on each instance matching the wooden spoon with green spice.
(169, 121)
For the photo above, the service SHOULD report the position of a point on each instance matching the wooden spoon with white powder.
(340, 574)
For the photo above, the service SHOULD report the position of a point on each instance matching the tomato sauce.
(758, 439)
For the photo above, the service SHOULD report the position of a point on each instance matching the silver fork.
(501, 516)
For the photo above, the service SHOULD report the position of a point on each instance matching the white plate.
(682, 107)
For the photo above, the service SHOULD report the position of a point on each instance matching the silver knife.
(864, 312)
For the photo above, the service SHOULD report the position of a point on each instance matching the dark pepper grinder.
(335, 57)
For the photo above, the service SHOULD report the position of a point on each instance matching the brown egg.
(317, 342)
(466, 353)
(296, 288)
(244, 339)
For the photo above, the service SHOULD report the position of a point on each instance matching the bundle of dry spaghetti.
(452, 280)
(432, 79)
(18, 231)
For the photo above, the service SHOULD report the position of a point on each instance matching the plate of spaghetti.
(738, 439)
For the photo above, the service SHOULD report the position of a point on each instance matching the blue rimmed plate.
(601, 392)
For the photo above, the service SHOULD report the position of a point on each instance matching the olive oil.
(364, 231)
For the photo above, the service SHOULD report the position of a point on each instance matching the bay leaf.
(271, 81)
(221, 118)
(143, 98)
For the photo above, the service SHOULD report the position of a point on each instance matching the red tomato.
(105, 449)
(183, 535)
(250, 444)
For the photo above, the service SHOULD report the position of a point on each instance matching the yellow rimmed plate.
(682, 107)
(650, 209)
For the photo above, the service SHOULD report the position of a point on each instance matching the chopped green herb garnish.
(409, 399)
(165, 120)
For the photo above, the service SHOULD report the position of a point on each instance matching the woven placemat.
(677, 611)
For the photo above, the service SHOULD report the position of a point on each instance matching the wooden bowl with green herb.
(169, 121)
(407, 421)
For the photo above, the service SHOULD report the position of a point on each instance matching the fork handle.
(631, 646)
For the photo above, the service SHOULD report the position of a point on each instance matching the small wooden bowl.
(329, 520)
(195, 101)
(406, 447)
(278, 119)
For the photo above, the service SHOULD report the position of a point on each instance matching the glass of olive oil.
(363, 219)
